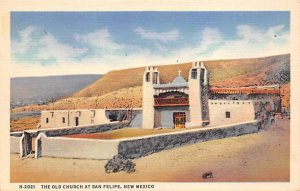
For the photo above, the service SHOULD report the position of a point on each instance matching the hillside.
(238, 72)
(40, 90)
(127, 97)
(122, 88)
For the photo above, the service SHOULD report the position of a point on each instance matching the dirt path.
(257, 157)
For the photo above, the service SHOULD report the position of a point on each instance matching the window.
(63, 120)
(47, 120)
(227, 114)
(202, 71)
(147, 77)
(76, 121)
(93, 113)
(194, 74)
(155, 78)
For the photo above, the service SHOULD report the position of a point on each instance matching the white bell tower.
(150, 78)
(198, 95)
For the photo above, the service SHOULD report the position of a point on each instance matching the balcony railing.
(158, 102)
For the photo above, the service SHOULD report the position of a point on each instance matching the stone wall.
(138, 147)
(264, 113)
(85, 129)
(52, 132)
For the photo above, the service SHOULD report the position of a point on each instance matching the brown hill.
(122, 88)
(237, 72)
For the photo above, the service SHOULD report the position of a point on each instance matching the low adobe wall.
(75, 148)
(53, 132)
(15, 143)
(139, 147)
(134, 147)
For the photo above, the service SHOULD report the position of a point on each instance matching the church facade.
(186, 104)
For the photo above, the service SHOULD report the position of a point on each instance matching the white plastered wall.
(84, 116)
(47, 115)
(55, 118)
(99, 117)
(58, 118)
(194, 98)
(15, 144)
(148, 98)
(240, 111)
(76, 147)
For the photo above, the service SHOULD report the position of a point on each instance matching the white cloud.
(254, 42)
(163, 36)
(247, 42)
(210, 36)
(26, 40)
(52, 48)
(100, 38)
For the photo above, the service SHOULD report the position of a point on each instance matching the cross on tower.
(179, 73)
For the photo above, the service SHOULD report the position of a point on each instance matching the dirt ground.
(264, 156)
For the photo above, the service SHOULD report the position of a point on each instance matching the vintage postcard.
(137, 96)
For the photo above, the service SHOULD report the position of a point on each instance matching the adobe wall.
(100, 117)
(84, 117)
(54, 118)
(148, 109)
(47, 119)
(15, 137)
(137, 119)
(58, 119)
(15, 144)
(134, 147)
(164, 116)
(239, 111)
(65, 118)
(274, 97)
(75, 148)
(138, 147)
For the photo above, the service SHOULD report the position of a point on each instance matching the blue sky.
(56, 43)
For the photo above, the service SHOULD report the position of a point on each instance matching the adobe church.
(186, 104)
(178, 104)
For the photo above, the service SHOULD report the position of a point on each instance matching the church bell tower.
(150, 78)
(198, 95)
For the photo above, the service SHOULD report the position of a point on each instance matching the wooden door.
(179, 119)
